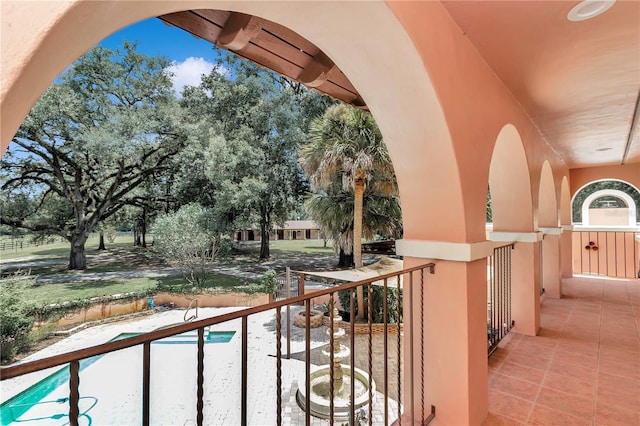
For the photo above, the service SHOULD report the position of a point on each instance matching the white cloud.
(189, 72)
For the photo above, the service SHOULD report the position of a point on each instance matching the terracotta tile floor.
(583, 368)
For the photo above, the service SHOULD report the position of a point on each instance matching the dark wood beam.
(238, 31)
(316, 73)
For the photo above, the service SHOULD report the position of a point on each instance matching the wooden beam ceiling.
(269, 45)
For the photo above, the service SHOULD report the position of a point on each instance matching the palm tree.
(346, 148)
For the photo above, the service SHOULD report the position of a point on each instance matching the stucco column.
(566, 251)
(525, 288)
(454, 305)
(551, 267)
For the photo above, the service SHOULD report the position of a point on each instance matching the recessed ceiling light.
(604, 149)
(588, 9)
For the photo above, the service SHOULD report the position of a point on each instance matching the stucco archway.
(550, 275)
(510, 183)
(60, 32)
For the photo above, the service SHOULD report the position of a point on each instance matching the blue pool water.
(13, 409)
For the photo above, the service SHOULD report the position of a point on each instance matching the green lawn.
(122, 256)
(303, 246)
(58, 247)
(44, 294)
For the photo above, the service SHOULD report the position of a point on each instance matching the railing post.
(301, 286)
(74, 394)
(279, 364)
(146, 381)
(243, 402)
(200, 380)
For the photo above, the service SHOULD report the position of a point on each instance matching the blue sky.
(191, 56)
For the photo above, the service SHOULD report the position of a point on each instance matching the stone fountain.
(319, 398)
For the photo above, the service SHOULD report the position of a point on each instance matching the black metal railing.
(499, 320)
(383, 408)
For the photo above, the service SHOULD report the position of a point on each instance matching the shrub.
(188, 239)
(16, 315)
(393, 299)
(269, 282)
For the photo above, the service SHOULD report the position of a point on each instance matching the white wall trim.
(442, 250)
(601, 228)
(521, 237)
(551, 231)
(631, 219)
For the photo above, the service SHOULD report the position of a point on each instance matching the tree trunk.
(101, 245)
(345, 260)
(265, 222)
(358, 191)
(143, 228)
(77, 257)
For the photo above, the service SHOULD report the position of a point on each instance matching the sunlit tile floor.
(583, 367)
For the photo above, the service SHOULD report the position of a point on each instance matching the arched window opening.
(620, 193)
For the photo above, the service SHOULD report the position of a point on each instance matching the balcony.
(176, 374)
(583, 367)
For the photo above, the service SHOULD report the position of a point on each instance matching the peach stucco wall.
(629, 173)
(441, 110)
(476, 105)
(453, 107)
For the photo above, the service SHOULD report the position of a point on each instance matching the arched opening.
(509, 180)
(547, 201)
(624, 190)
(565, 202)
(406, 84)
(609, 207)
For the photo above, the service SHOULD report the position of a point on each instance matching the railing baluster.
(278, 366)
(411, 351)
(422, 345)
(385, 319)
(499, 296)
(243, 402)
(74, 392)
(399, 351)
(352, 379)
(370, 323)
(146, 382)
(307, 357)
(331, 360)
(200, 391)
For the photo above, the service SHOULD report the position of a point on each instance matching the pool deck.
(115, 381)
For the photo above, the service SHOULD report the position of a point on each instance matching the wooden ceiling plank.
(290, 37)
(193, 24)
(238, 31)
(273, 44)
(218, 17)
(267, 59)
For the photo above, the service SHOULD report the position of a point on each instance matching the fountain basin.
(319, 405)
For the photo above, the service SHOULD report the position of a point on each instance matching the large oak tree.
(109, 124)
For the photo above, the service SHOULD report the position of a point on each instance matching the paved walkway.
(114, 381)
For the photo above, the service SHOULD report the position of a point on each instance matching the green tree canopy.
(244, 164)
(348, 165)
(105, 128)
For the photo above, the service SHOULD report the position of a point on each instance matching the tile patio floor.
(583, 368)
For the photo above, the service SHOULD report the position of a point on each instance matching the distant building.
(292, 230)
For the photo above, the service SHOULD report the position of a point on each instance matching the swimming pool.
(102, 400)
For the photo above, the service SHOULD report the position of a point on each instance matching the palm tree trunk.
(358, 191)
